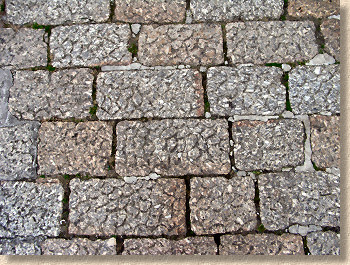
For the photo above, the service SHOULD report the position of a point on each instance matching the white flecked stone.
(321, 59)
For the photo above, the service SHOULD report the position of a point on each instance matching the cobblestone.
(313, 8)
(162, 246)
(270, 145)
(20, 246)
(41, 95)
(246, 91)
(90, 45)
(315, 89)
(18, 151)
(79, 246)
(74, 148)
(330, 30)
(144, 208)
(304, 198)
(30, 209)
(172, 147)
(6, 81)
(325, 141)
(23, 48)
(199, 44)
(271, 42)
(261, 244)
(219, 205)
(323, 243)
(150, 93)
(56, 12)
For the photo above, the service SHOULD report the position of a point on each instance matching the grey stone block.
(6, 81)
(323, 243)
(20, 246)
(330, 29)
(313, 8)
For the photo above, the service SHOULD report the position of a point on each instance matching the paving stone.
(30, 209)
(74, 148)
(260, 42)
(304, 198)
(18, 151)
(321, 59)
(143, 11)
(150, 93)
(313, 8)
(162, 246)
(330, 30)
(325, 141)
(228, 10)
(261, 244)
(172, 147)
(315, 89)
(112, 206)
(56, 12)
(303, 230)
(23, 48)
(196, 44)
(20, 246)
(323, 243)
(270, 145)
(79, 246)
(246, 90)
(38, 95)
(90, 45)
(219, 205)
(6, 82)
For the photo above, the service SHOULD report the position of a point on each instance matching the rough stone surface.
(313, 8)
(30, 209)
(79, 246)
(38, 95)
(323, 243)
(162, 246)
(23, 48)
(56, 12)
(112, 206)
(325, 141)
(74, 148)
(150, 93)
(90, 45)
(143, 11)
(261, 244)
(315, 89)
(219, 205)
(18, 151)
(246, 90)
(270, 145)
(304, 198)
(172, 147)
(228, 10)
(271, 42)
(20, 246)
(199, 44)
(6, 81)
(330, 30)
(321, 59)
(303, 230)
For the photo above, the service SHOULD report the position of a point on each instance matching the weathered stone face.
(330, 30)
(323, 243)
(313, 8)
(21, 246)
(6, 81)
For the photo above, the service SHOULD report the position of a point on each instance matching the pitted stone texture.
(261, 244)
(323, 243)
(313, 8)
(150, 93)
(330, 30)
(162, 246)
(143, 11)
(79, 246)
(112, 206)
(197, 44)
(6, 81)
(315, 89)
(38, 95)
(246, 91)
(270, 145)
(304, 198)
(55, 12)
(18, 151)
(90, 45)
(74, 148)
(30, 209)
(219, 205)
(271, 42)
(226, 10)
(325, 141)
(23, 48)
(20, 246)
(172, 147)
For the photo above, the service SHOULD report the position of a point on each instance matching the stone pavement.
(169, 127)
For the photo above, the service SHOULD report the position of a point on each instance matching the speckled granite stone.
(20, 246)
(313, 8)
(6, 81)
(330, 30)
(323, 243)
